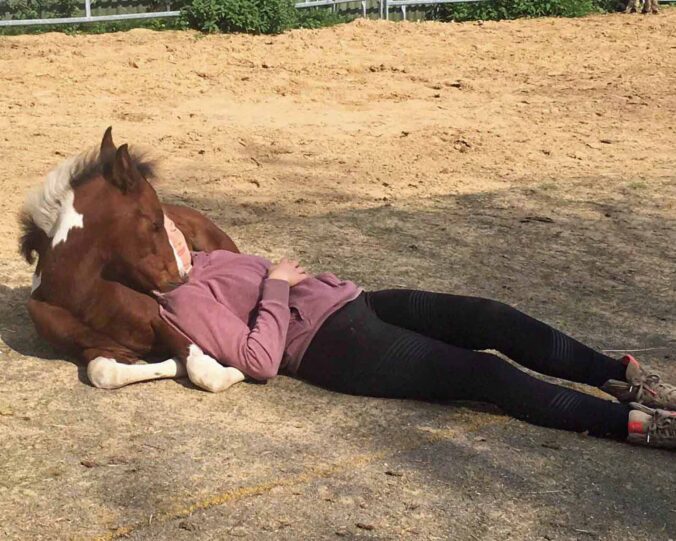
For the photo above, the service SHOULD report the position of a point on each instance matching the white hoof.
(103, 373)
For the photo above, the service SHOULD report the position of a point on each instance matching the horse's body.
(96, 227)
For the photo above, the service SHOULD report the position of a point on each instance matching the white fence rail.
(384, 7)
(90, 18)
(383, 10)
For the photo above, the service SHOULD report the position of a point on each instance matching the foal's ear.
(108, 148)
(125, 175)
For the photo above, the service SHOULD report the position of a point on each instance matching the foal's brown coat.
(94, 297)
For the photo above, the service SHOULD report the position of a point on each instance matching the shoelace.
(649, 382)
(663, 426)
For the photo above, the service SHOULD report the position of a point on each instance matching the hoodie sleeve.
(256, 351)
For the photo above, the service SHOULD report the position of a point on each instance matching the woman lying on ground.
(263, 319)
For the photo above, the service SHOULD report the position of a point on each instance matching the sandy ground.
(529, 161)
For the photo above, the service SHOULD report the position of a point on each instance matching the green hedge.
(515, 9)
(253, 16)
(37, 9)
(276, 16)
(260, 17)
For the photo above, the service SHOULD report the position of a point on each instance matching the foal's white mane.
(45, 203)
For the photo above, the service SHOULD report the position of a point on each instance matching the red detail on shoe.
(629, 359)
(636, 427)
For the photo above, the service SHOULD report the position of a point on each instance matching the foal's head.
(132, 221)
(100, 211)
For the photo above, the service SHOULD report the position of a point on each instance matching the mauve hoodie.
(233, 312)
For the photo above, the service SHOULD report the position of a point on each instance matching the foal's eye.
(157, 226)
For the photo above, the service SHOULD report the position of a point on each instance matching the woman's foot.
(641, 387)
(652, 427)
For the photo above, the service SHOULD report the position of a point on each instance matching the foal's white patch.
(106, 373)
(68, 219)
(207, 373)
(46, 203)
(103, 373)
(37, 280)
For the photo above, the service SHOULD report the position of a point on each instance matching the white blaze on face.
(37, 280)
(68, 219)
(207, 373)
(106, 373)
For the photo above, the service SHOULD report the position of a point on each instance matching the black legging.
(419, 345)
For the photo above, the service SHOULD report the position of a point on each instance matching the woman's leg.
(355, 352)
(476, 323)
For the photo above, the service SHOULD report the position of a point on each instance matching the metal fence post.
(88, 8)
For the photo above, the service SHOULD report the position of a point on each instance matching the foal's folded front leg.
(107, 373)
(208, 374)
(108, 362)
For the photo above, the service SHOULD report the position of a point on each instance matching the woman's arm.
(256, 351)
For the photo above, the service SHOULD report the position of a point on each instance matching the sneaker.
(652, 427)
(641, 387)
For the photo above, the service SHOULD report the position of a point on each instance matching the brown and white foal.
(96, 225)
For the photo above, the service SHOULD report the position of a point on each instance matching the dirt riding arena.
(528, 161)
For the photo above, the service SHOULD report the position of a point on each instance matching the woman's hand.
(289, 270)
